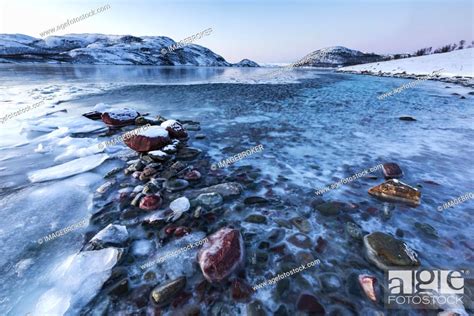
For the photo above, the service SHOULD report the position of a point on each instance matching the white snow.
(123, 114)
(67, 169)
(455, 63)
(154, 132)
(168, 123)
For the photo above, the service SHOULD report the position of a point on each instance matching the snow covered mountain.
(104, 49)
(338, 56)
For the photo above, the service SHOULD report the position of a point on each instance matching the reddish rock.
(309, 303)
(240, 290)
(120, 117)
(170, 230)
(175, 129)
(221, 255)
(391, 170)
(367, 283)
(181, 231)
(192, 175)
(153, 138)
(150, 202)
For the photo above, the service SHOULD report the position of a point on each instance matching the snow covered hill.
(458, 63)
(104, 49)
(337, 56)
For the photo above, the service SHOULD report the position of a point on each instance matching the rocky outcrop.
(246, 63)
(338, 56)
(103, 49)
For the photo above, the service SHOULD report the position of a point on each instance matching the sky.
(265, 31)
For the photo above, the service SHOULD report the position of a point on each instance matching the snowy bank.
(455, 66)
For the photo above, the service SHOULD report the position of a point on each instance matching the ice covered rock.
(180, 205)
(67, 169)
(120, 117)
(228, 189)
(153, 138)
(386, 251)
(175, 129)
(111, 235)
(221, 254)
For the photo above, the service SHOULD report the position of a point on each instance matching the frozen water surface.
(316, 127)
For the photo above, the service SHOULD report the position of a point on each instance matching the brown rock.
(175, 129)
(392, 170)
(240, 290)
(150, 202)
(120, 117)
(153, 138)
(308, 303)
(396, 191)
(300, 240)
(221, 254)
(163, 294)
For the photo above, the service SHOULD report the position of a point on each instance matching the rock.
(105, 187)
(94, 115)
(181, 231)
(110, 236)
(158, 155)
(281, 311)
(200, 136)
(367, 284)
(302, 224)
(407, 118)
(229, 189)
(391, 170)
(300, 240)
(427, 229)
(136, 200)
(163, 294)
(151, 187)
(174, 185)
(187, 153)
(396, 191)
(175, 129)
(209, 200)
(330, 282)
(329, 208)
(121, 117)
(221, 254)
(256, 219)
(321, 245)
(192, 175)
(282, 223)
(255, 200)
(386, 251)
(353, 230)
(150, 202)
(153, 138)
(180, 205)
(308, 303)
(240, 290)
(256, 309)
(169, 149)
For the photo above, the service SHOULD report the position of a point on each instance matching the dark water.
(315, 131)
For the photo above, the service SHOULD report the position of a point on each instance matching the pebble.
(150, 202)
(256, 219)
(255, 200)
(386, 251)
(302, 224)
(256, 309)
(180, 205)
(209, 200)
(163, 294)
(310, 304)
(300, 240)
(391, 170)
(174, 185)
(353, 230)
